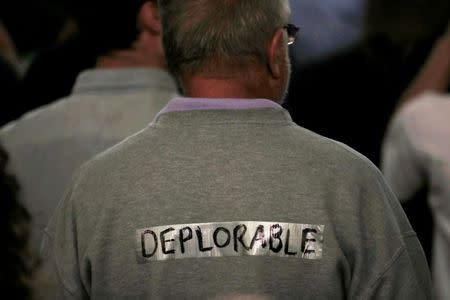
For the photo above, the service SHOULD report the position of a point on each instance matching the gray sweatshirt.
(232, 204)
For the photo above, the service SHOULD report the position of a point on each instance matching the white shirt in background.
(417, 151)
(47, 145)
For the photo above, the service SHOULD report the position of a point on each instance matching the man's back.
(49, 144)
(219, 203)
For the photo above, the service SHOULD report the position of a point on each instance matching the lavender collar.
(187, 104)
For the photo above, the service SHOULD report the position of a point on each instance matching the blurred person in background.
(32, 25)
(17, 263)
(416, 153)
(54, 70)
(108, 103)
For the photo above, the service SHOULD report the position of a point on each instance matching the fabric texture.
(47, 145)
(417, 153)
(226, 166)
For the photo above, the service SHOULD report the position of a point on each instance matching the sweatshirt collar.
(189, 104)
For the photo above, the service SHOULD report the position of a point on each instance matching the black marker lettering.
(259, 236)
(286, 247)
(144, 252)
(183, 238)
(305, 240)
(216, 233)
(239, 237)
(198, 231)
(164, 241)
(275, 234)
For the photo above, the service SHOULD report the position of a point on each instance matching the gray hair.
(198, 32)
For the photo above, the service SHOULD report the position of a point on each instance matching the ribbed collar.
(108, 80)
(184, 104)
(220, 111)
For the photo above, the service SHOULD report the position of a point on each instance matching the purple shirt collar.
(186, 104)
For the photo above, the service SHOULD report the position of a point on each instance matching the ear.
(148, 18)
(275, 54)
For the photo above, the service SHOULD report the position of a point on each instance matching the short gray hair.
(196, 32)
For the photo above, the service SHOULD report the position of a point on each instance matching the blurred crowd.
(366, 73)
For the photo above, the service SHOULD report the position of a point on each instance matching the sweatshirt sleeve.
(402, 273)
(385, 258)
(60, 252)
(406, 275)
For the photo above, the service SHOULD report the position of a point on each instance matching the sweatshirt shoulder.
(330, 152)
(122, 155)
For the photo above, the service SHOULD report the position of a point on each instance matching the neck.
(146, 52)
(205, 87)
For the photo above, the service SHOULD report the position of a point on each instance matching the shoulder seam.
(58, 271)
(394, 259)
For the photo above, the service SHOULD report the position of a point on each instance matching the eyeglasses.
(292, 32)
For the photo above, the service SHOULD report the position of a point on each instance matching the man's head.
(228, 39)
(146, 49)
(106, 24)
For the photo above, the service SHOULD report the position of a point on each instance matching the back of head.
(106, 25)
(210, 36)
(16, 260)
